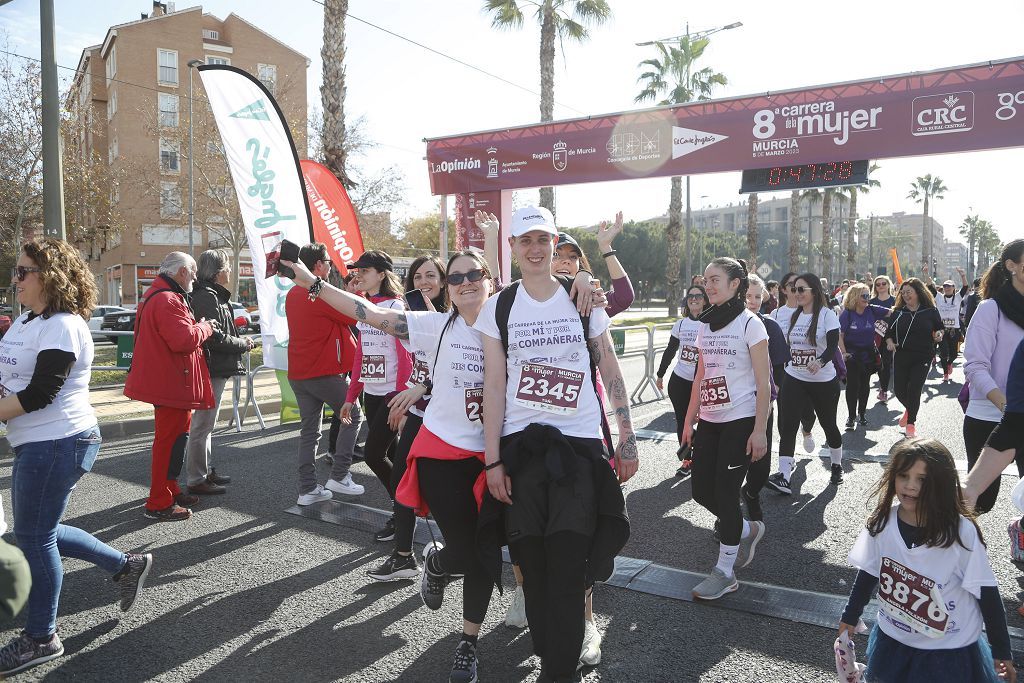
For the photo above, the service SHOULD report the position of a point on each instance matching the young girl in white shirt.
(936, 589)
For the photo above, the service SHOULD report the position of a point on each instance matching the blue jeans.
(45, 473)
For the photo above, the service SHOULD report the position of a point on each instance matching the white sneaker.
(591, 654)
(317, 495)
(345, 487)
(809, 443)
(516, 616)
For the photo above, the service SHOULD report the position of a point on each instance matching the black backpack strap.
(506, 298)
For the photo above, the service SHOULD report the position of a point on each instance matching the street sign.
(764, 270)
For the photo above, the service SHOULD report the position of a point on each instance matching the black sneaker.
(132, 577)
(387, 533)
(174, 513)
(779, 483)
(683, 452)
(396, 567)
(851, 424)
(837, 475)
(464, 666)
(754, 513)
(685, 468)
(24, 652)
(219, 479)
(432, 585)
(863, 421)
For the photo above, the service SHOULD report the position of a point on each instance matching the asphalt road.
(245, 591)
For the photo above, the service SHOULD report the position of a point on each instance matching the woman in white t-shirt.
(731, 396)
(812, 332)
(924, 551)
(45, 361)
(784, 311)
(683, 339)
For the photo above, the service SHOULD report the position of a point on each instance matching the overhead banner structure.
(334, 217)
(268, 182)
(966, 108)
(466, 205)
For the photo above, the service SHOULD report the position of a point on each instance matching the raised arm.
(386, 320)
(489, 226)
(605, 236)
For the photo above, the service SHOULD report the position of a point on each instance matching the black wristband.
(493, 465)
(610, 253)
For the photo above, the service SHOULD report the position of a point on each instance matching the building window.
(167, 72)
(210, 59)
(267, 73)
(168, 110)
(112, 150)
(211, 34)
(169, 162)
(111, 104)
(170, 200)
(111, 64)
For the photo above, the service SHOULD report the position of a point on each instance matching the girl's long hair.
(441, 302)
(924, 297)
(686, 299)
(940, 503)
(783, 283)
(818, 300)
(997, 275)
(481, 264)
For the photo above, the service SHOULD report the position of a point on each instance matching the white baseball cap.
(533, 218)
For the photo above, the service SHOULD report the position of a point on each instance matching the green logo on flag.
(256, 110)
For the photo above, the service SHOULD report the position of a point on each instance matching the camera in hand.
(414, 298)
(289, 252)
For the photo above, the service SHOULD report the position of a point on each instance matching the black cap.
(373, 259)
(565, 238)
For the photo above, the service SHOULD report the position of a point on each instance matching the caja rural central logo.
(941, 114)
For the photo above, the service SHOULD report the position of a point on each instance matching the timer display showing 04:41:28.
(827, 174)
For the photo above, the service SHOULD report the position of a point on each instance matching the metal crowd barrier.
(646, 351)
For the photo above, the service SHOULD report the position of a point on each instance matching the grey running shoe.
(432, 585)
(24, 652)
(132, 577)
(715, 586)
(745, 554)
(464, 666)
(396, 567)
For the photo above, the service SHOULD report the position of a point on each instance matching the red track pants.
(169, 441)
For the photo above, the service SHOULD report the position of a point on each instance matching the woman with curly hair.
(45, 361)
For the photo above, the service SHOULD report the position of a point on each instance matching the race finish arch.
(960, 109)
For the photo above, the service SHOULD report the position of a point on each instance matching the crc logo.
(941, 114)
(1007, 104)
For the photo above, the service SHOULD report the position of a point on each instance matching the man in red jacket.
(320, 353)
(169, 371)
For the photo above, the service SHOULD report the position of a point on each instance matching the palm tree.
(923, 191)
(670, 75)
(558, 19)
(851, 245)
(795, 198)
(813, 197)
(332, 91)
(826, 232)
(752, 231)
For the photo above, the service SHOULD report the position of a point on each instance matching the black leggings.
(720, 463)
(948, 346)
(976, 433)
(447, 487)
(885, 373)
(380, 441)
(806, 415)
(757, 473)
(794, 397)
(554, 581)
(679, 390)
(909, 372)
(858, 386)
(405, 518)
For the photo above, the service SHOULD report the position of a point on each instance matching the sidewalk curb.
(124, 429)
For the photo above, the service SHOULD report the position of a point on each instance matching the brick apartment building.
(131, 92)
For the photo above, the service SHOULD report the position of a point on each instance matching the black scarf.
(1011, 303)
(721, 315)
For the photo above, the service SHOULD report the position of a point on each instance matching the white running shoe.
(516, 616)
(591, 654)
(715, 586)
(346, 486)
(317, 495)
(809, 445)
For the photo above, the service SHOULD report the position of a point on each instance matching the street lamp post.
(689, 36)
(53, 177)
(191, 164)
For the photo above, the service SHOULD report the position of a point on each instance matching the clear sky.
(407, 93)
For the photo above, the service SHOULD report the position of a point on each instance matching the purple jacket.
(620, 296)
(991, 340)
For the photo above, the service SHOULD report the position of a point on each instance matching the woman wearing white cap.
(543, 442)
(949, 301)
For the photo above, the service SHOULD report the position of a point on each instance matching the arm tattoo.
(628, 448)
(402, 327)
(618, 388)
(361, 311)
(595, 350)
(384, 325)
(624, 418)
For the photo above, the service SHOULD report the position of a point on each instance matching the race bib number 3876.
(552, 389)
(911, 599)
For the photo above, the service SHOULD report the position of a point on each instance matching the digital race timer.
(781, 178)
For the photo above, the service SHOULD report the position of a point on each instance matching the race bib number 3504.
(911, 599)
(552, 389)
(373, 370)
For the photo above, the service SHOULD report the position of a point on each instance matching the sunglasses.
(21, 272)
(865, 296)
(458, 278)
(798, 290)
(695, 297)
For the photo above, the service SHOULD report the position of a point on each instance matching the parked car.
(252, 318)
(118, 321)
(5, 324)
(96, 320)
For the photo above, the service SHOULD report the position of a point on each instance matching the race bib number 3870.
(911, 599)
(552, 389)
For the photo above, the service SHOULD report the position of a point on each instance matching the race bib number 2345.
(548, 388)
